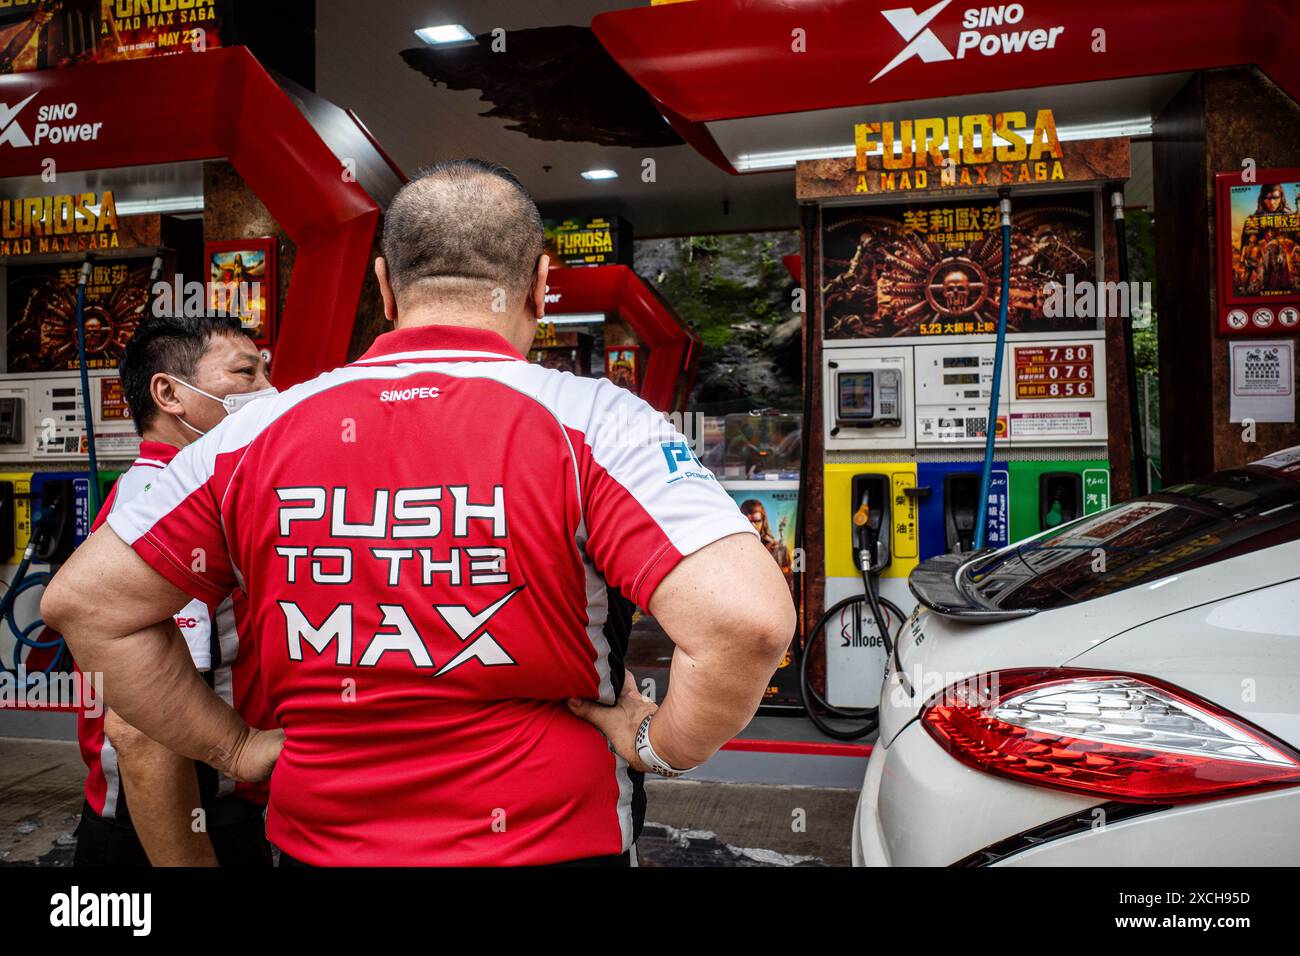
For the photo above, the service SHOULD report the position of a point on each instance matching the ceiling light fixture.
(599, 174)
(446, 33)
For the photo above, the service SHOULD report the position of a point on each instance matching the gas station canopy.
(759, 84)
(224, 104)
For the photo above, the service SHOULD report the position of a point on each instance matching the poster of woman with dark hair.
(771, 508)
(1265, 237)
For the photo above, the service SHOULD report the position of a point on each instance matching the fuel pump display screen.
(857, 396)
(971, 362)
(865, 398)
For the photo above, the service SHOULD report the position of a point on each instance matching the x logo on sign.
(914, 27)
(485, 647)
(11, 132)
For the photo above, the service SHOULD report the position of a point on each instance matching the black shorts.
(618, 859)
(238, 843)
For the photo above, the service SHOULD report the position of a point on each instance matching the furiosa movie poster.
(1265, 236)
(936, 269)
(40, 34)
(772, 508)
(42, 314)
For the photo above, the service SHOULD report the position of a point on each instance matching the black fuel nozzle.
(53, 522)
(45, 527)
(964, 522)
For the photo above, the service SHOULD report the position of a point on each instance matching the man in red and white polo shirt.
(436, 542)
(175, 374)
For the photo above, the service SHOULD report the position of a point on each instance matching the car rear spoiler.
(938, 584)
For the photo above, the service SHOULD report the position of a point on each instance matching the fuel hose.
(865, 719)
(24, 580)
(86, 404)
(991, 426)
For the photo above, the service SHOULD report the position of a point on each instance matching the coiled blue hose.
(25, 581)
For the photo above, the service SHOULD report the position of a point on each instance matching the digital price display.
(1055, 371)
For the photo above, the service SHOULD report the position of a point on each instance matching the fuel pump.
(63, 432)
(870, 534)
(52, 542)
(963, 392)
(54, 524)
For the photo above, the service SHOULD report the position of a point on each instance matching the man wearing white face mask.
(232, 402)
(181, 377)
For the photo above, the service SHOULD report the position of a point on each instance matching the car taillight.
(1112, 735)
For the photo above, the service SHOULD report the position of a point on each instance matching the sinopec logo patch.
(56, 123)
(682, 462)
(983, 30)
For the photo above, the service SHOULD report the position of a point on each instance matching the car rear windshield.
(1180, 528)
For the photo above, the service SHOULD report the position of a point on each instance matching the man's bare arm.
(162, 790)
(116, 614)
(727, 608)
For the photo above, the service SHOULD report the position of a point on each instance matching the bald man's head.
(458, 232)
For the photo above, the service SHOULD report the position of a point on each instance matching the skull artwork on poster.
(956, 290)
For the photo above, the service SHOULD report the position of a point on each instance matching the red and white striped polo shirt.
(210, 630)
(428, 538)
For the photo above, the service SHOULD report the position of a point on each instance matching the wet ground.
(691, 823)
(41, 785)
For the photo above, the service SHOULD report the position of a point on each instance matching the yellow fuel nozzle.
(862, 515)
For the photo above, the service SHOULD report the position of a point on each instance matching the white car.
(1124, 690)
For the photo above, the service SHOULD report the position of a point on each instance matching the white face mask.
(232, 402)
